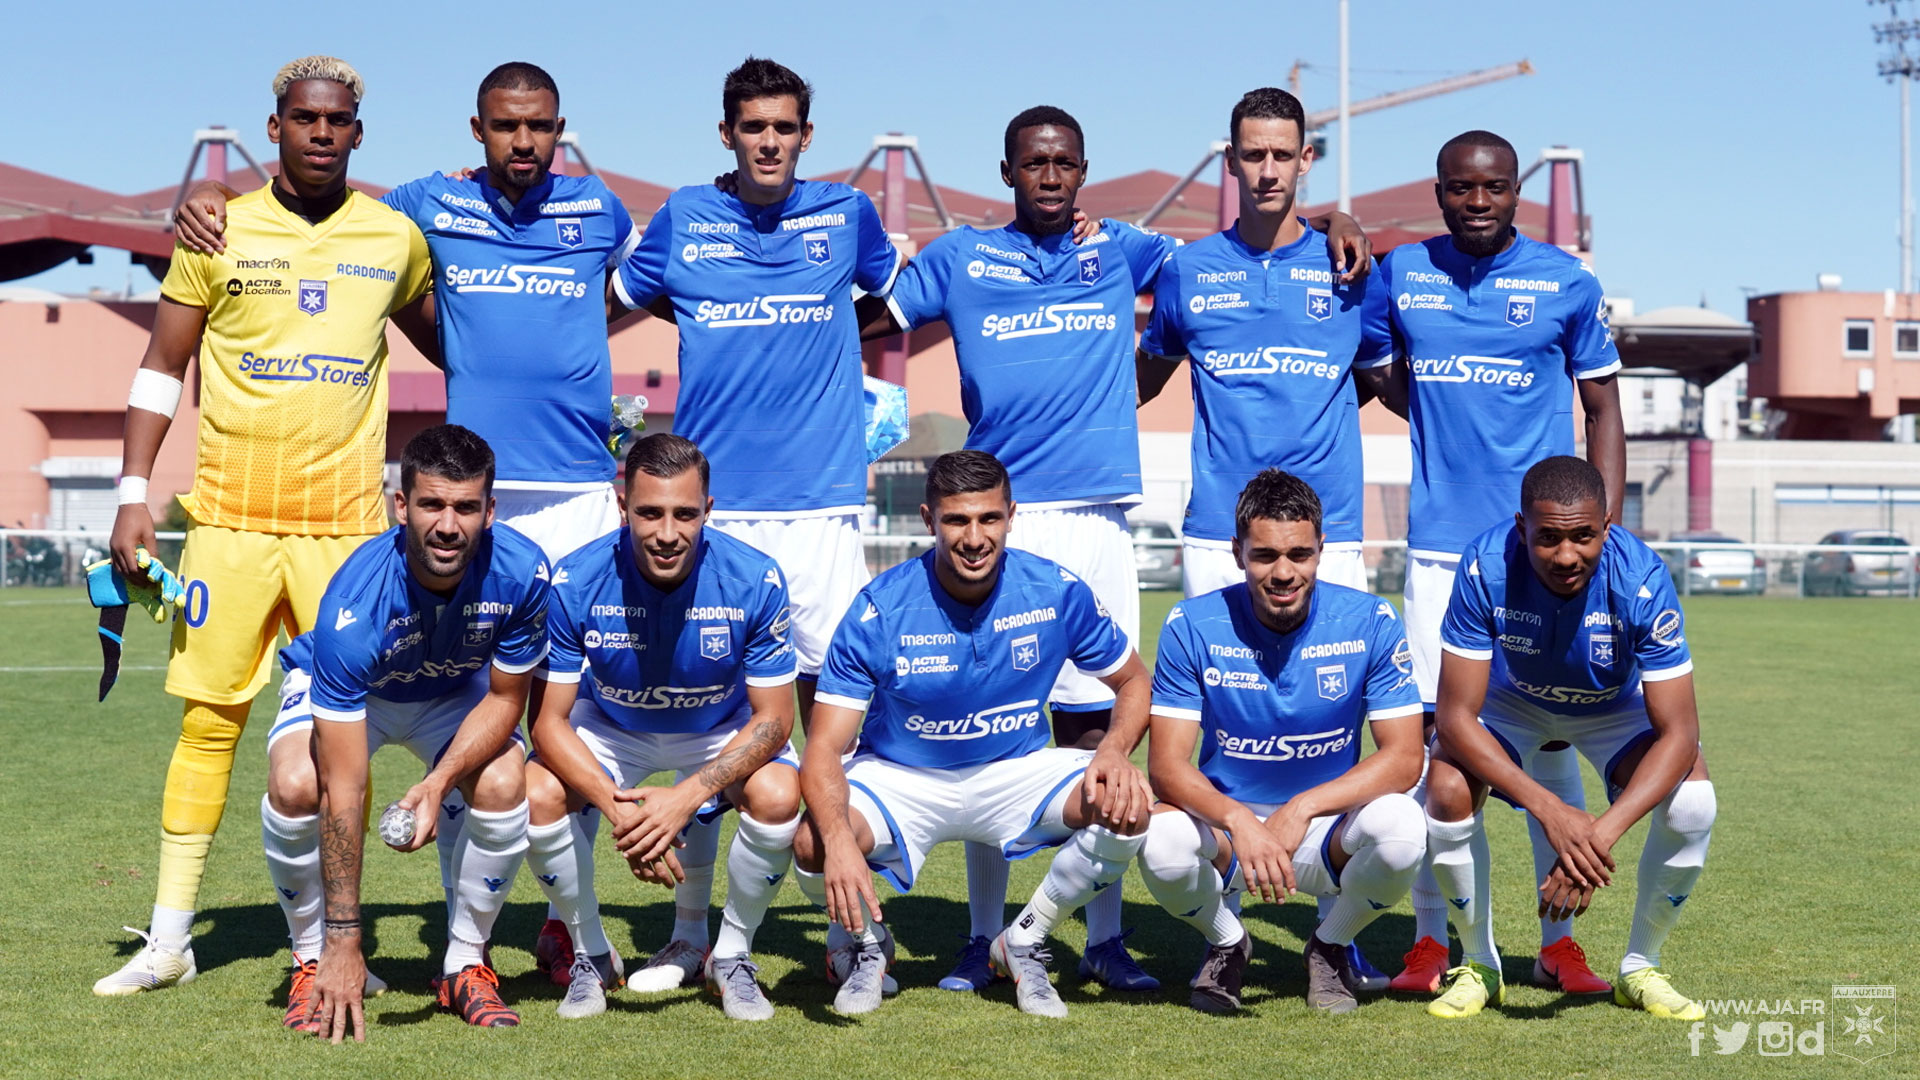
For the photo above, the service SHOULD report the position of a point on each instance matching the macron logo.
(493, 883)
(870, 614)
(343, 620)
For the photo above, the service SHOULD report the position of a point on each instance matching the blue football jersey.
(945, 685)
(1271, 338)
(519, 294)
(1576, 655)
(673, 662)
(381, 634)
(769, 351)
(1281, 713)
(1043, 329)
(1493, 345)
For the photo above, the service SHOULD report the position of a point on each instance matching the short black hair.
(515, 75)
(1042, 116)
(758, 77)
(1562, 481)
(1266, 103)
(448, 451)
(1275, 495)
(666, 456)
(963, 472)
(1474, 138)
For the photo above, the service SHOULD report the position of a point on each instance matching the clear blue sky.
(1727, 144)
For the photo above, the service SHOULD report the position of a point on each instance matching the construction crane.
(1320, 119)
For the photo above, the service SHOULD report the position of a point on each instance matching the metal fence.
(48, 557)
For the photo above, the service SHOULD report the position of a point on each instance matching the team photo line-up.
(989, 691)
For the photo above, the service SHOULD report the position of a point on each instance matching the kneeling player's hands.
(339, 985)
(423, 799)
(664, 871)
(1575, 839)
(659, 814)
(1266, 852)
(850, 892)
(1116, 790)
(1561, 897)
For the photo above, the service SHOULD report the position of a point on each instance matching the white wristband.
(155, 391)
(133, 490)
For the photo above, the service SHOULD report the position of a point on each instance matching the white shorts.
(826, 568)
(1015, 805)
(1095, 544)
(558, 519)
(1522, 727)
(1207, 565)
(424, 728)
(629, 757)
(1313, 871)
(1429, 587)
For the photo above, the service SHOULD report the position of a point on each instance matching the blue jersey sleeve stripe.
(1172, 712)
(1685, 668)
(619, 254)
(1385, 358)
(1598, 372)
(620, 290)
(893, 275)
(842, 701)
(512, 667)
(339, 716)
(899, 316)
(565, 678)
(1394, 712)
(1462, 651)
(767, 681)
(1103, 672)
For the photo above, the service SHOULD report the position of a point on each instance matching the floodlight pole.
(1898, 64)
(1346, 127)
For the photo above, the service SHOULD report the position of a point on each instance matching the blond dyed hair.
(330, 68)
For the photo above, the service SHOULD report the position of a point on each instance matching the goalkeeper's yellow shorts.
(242, 589)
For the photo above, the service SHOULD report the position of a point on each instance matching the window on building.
(1646, 397)
(1906, 340)
(1633, 507)
(1859, 337)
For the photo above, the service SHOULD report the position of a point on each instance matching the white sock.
(1386, 841)
(293, 862)
(491, 847)
(1454, 858)
(1677, 836)
(1094, 859)
(1429, 908)
(987, 873)
(814, 888)
(757, 863)
(1103, 915)
(446, 842)
(692, 897)
(1181, 880)
(171, 928)
(1559, 772)
(566, 878)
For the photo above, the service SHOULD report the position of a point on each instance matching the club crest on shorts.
(1600, 647)
(570, 231)
(819, 248)
(1089, 267)
(1519, 310)
(1026, 652)
(716, 642)
(1319, 304)
(1331, 681)
(479, 633)
(313, 296)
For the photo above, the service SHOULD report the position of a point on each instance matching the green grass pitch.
(1808, 713)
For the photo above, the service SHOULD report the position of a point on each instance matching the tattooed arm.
(340, 754)
(665, 811)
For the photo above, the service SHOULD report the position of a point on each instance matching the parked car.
(1721, 564)
(1158, 563)
(1852, 573)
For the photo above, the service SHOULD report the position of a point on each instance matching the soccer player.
(950, 657)
(760, 276)
(428, 639)
(1045, 340)
(1271, 678)
(521, 258)
(1490, 332)
(290, 325)
(678, 635)
(1562, 628)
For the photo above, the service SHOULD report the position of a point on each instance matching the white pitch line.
(93, 668)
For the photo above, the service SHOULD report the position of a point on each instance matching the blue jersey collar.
(629, 563)
(1452, 257)
(1286, 251)
(515, 211)
(966, 614)
(1237, 596)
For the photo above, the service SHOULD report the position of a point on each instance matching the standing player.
(1277, 672)
(1562, 628)
(428, 637)
(951, 657)
(678, 635)
(290, 324)
(1489, 331)
(760, 280)
(1044, 335)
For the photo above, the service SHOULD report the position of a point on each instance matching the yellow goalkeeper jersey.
(293, 363)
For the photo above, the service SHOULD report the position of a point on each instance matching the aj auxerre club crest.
(716, 642)
(819, 248)
(312, 296)
(1331, 681)
(1026, 652)
(1319, 304)
(479, 633)
(1519, 310)
(1089, 267)
(570, 231)
(1601, 648)
(1867, 1022)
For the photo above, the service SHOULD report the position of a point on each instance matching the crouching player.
(678, 635)
(427, 638)
(1277, 673)
(951, 657)
(1562, 628)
